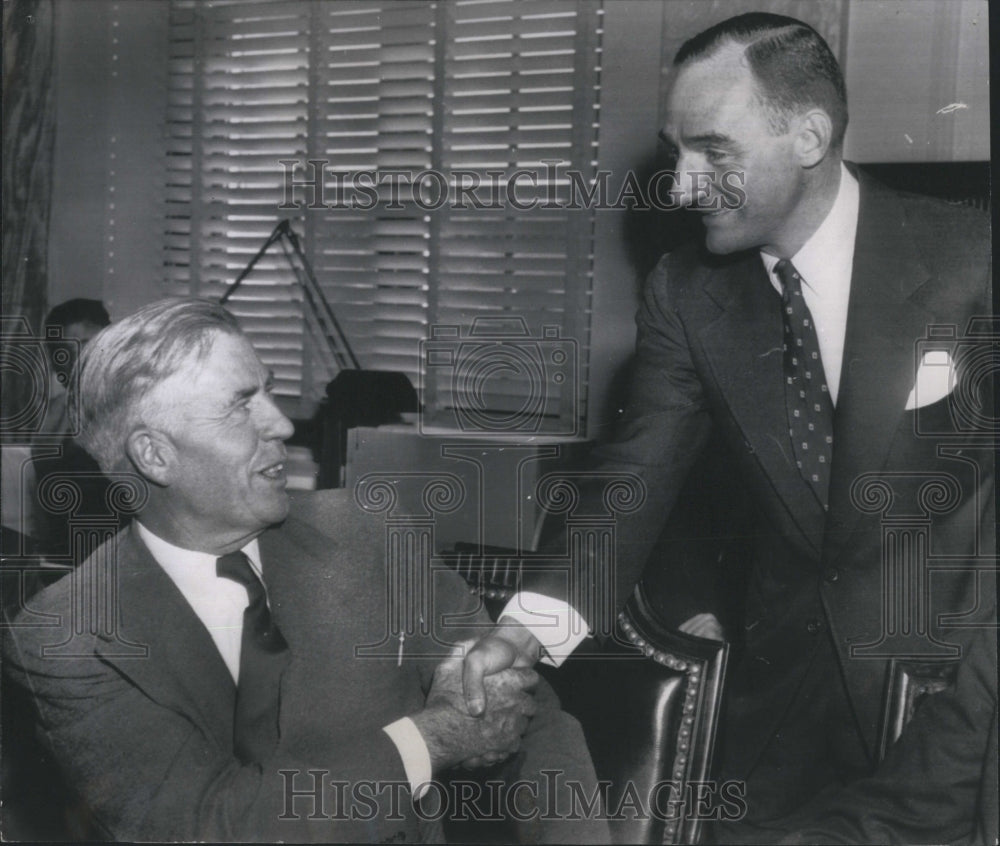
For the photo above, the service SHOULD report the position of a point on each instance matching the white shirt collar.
(176, 559)
(824, 261)
(218, 602)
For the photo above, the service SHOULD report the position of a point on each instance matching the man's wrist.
(555, 625)
(520, 637)
(413, 750)
(430, 723)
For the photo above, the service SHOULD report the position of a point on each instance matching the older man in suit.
(197, 678)
(827, 332)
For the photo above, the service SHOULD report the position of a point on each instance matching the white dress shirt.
(824, 262)
(219, 603)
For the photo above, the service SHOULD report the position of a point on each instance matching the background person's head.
(76, 320)
(176, 393)
(761, 98)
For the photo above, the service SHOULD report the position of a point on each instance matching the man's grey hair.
(123, 363)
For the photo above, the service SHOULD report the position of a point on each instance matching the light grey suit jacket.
(136, 705)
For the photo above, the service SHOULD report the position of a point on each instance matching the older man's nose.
(273, 423)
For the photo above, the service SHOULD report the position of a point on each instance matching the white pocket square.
(935, 379)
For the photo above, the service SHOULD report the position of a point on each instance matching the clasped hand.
(454, 735)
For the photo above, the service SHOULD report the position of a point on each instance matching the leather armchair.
(651, 725)
(648, 701)
(909, 683)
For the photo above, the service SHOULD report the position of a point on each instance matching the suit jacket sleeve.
(660, 432)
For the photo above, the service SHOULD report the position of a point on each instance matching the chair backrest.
(654, 733)
(909, 683)
(648, 703)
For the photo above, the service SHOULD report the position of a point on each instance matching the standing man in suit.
(819, 332)
(197, 677)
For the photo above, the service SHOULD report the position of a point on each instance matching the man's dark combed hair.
(794, 67)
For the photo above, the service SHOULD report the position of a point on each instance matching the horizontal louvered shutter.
(375, 101)
(486, 88)
(239, 89)
(519, 94)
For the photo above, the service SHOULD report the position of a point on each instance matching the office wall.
(106, 224)
(918, 81)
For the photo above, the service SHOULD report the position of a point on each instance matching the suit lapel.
(879, 348)
(183, 669)
(744, 348)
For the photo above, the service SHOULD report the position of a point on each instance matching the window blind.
(477, 91)
(238, 94)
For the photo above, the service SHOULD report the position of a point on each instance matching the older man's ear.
(152, 454)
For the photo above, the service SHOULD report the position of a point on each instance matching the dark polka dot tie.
(807, 397)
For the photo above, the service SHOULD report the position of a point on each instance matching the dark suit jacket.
(708, 360)
(136, 704)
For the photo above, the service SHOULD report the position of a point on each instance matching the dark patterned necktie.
(807, 397)
(263, 654)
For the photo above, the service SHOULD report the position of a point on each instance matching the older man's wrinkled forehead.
(181, 382)
(188, 366)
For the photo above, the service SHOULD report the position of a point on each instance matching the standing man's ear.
(152, 453)
(813, 135)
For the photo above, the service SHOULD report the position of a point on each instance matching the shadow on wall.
(650, 232)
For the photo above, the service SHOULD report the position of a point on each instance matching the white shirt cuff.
(413, 750)
(558, 626)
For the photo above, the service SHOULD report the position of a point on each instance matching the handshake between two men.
(511, 644)
(481, 733)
